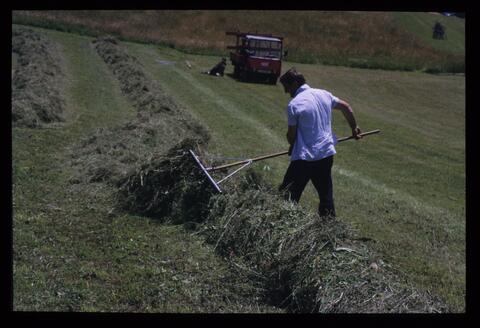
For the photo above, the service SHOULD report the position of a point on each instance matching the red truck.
(256, 56)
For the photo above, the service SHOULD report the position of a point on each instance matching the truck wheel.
(273, 79)
(245, 76)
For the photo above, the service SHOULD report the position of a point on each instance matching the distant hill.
(421, 25)
(397, 41)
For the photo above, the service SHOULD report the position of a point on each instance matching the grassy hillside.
(386, 40)
(421, 24)
(404, 188)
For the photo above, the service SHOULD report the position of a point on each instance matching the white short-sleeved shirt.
(311, 112)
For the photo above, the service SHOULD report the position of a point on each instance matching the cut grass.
(73, 251)
(405, 188)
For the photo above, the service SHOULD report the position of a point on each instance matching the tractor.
(256, 56)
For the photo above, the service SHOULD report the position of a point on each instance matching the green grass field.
(421, 25)
(404, 188)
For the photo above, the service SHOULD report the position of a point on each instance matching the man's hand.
(356, 133)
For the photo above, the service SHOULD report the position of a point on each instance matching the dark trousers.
(320, 172)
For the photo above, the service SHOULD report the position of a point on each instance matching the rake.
(247, 162)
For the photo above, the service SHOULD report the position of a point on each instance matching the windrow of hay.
(298, 261)
(305, 263)
(170, 185)
(143, 92)
(37, 79)
(111, 153)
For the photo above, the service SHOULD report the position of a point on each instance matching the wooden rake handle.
(361, 134)
(215, 168)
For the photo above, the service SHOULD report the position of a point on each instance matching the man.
(438, 31)
(219, 69)
(312, 142)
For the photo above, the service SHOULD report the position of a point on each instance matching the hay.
(143, 92)
(305, 263)
(109, 155)
(169, 185)
(37, 98)
(298, 261)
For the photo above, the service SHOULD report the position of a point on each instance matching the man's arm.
(349, 116)
(291, 136)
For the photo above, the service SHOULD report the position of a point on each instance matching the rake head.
(209, 177)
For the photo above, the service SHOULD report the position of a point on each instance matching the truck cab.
(256, 56)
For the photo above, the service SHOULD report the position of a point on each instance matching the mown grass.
(355, 39)
(404, 188)
(73, 251)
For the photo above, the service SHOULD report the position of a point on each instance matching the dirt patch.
(36, 81)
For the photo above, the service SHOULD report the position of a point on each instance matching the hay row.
(305, 263)
(111, 154)
(298, 261)
(37, 98)
(169, 185)
(143, 92)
